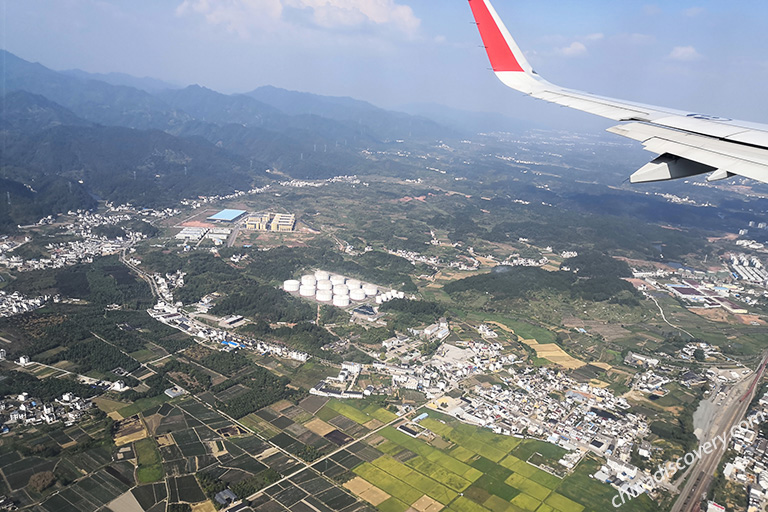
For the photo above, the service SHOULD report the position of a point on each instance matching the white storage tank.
(322, 275)
(357, 294)
(379, 299)
(338, 280)
(370, 290)
(309, 279)
(341, 301)
(340, 289)
(400, 295)
(324, 285)
(291, 285)
(307, 291)
(354, 284)
(324, 295)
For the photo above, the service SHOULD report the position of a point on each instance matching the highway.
(702, 473)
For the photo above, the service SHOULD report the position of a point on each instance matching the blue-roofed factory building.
(227, 216)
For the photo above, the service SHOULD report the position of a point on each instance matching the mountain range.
(141, 140)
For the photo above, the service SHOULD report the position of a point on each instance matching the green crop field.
(350, 412)
(479, 483)
(417, 480)
(388, 483)
(150, 468)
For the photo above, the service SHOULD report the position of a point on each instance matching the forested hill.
(68, 139)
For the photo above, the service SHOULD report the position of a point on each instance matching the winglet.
(502, 49)
(507, 61)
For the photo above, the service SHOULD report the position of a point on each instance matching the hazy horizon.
(699, 56)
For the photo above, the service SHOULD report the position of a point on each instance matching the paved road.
(233, 236)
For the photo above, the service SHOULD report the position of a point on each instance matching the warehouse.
(227, 216)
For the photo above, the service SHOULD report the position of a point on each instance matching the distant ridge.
(149, 84)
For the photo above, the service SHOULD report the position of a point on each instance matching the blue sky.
(704, 56)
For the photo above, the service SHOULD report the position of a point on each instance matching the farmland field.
(481, 474)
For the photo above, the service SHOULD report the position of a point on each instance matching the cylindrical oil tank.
(324, 295)
(379, 299)
(308, 279)
(341, 301)
(291, 285)
(322, 275)
(307, 291)
(400, 295)
(357, 294)
(340, 289)
(370, 290)
(354, 284)
(338, 280)
(324, 285)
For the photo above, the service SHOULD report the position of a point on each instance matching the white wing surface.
(687, 143)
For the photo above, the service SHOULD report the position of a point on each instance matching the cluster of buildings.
(202, 200)
(748, 268)
(486, 332)
(25, 410)
(415, 257)
(67, 254)
(439, 372)
(639, 360)
(749, 467)
(85, 221)
(268, 221)
(549, 405)
(349, 180)
(750, 244)
(409, 369)
(706, 295)
(277, 222)
(143, 212)
(688, 352)
(436, 331)
(173, 317)
(342, 385)
(743, 279)
(8, 245)
(651, 382)
(15, 303)
(525, 262)
(462, 263)
(196, 234)
(83, 250)
(166, 284)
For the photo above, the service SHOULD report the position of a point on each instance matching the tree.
(699, 355)
(41, 481)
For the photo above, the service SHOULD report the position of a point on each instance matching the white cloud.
(684, 53)
(243, 16)
(575, 49)
(595, 37)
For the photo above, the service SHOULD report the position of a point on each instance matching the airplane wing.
(687, 143)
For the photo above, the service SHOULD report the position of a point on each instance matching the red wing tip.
(499, 52)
